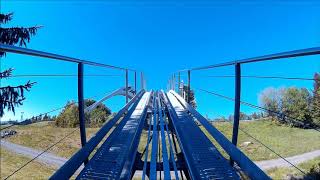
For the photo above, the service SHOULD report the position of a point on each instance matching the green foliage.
(13, 96)
(296, 102)
(69, 117)
(270, 98)
(192, 96)
(315, 107)
(293, 106)
(314, 171)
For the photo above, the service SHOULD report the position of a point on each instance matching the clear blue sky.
(158, 39)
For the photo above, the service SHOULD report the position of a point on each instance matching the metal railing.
(237, 68)
(80, 75)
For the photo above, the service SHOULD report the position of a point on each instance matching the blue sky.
(159, 38)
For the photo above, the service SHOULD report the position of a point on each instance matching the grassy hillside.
(285, 140)
(43, 134)
(35, 170)
(283, 173)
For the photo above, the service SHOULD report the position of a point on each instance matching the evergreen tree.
(193, 102)
(316, 100)
(13, 96)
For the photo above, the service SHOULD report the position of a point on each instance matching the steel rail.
(147, 148)
(172, 153)
(262, 77)
(170, 145)
(68, 169)
(173, 115)
(153, 163)
(31, 52)
(106, 144)
(276, 56)
(165, 160)
(64, 75)
(128, 167)
(239, 157)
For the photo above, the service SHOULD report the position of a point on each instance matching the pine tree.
(193, 102)
(316, 100)
(13, 96)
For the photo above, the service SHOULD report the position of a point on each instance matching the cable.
(265, 77)
(46, 148)
(257, 107)
(41, 153)
(54, 110)
(65, 75)
(271, 150)
(267, 147)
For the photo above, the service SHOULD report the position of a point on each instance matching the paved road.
(47, 158)
(268, 164)
(53, 160)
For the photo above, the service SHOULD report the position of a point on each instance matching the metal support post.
(127, 100)
(188, 97)
(81, 106)
(236, 105)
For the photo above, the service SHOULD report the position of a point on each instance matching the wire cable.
(54, 110)
(257, 140)
(271, 150)
(264, 77)
(47, 147)
(65, 75)
(41, 153)
(258, 107)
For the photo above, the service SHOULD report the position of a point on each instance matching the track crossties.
(203, 159)
(116, 156)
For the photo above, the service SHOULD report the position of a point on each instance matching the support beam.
(188, 97)
(179, 81)
(141, 80)
(236, 105)
(127, 99)
(174, 82)
(81, 106)
(135, 82)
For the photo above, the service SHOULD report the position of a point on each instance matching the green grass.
(43, 134)
(285, 140)
(35, 170)
(282, 173)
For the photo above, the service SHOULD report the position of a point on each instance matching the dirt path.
(54, 160)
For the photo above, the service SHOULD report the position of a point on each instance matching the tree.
(270, 98)
(315, 107)
(296, 103)
(69, 117)
(97, 116)
(193, 102)
(13, 96)
(288, 105)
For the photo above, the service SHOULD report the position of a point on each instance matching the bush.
(69, 117)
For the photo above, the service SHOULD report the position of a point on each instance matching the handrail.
(31, 52)
(282, 55)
